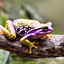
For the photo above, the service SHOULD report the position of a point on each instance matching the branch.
(46, 48)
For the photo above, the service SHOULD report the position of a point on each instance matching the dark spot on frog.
(22, 31)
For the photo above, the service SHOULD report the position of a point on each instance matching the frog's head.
(42, 28)
(46, 28)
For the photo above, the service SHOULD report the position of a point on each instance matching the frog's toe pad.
(30, 51)
(49, 37)
(35, 47)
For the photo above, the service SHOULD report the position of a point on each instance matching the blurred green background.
(42, 10)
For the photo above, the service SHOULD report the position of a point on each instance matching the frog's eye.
(45, 28)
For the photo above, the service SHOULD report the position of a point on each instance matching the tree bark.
(46, 48)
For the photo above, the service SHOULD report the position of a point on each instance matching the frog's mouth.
(41, 31)
(45, 32)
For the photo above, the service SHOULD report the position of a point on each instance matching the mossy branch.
(46, 48)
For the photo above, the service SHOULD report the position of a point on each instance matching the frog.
(28, 30)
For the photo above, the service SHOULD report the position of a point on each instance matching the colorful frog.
(27, 30)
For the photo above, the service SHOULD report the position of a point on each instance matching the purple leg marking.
(29, 36)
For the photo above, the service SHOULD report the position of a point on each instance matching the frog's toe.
(33, 46)
(48, 36)
(30, 51)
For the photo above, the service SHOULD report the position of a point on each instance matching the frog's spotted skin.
(26, 29)
(31, 23)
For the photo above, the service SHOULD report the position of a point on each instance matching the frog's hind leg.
(9, 30)
(24, 40)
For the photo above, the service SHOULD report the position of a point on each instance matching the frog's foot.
(29, 44)
(1, 32)
(48, 36)
(32, 46)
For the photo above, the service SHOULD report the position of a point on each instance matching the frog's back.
(31, 23)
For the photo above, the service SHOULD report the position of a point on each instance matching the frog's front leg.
(24, 40)
(48, 36)
(9, 30)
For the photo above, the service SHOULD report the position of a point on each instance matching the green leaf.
(2, 20)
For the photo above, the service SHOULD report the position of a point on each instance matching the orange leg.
(48, 36)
